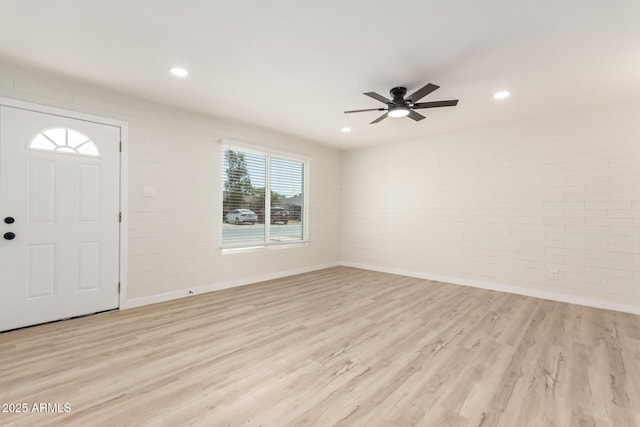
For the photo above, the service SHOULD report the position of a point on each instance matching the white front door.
(59, 217)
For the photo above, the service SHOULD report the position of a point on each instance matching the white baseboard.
(553, 296)
(153, 299)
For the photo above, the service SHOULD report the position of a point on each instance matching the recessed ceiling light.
(346, 129)
(178, 72)
(502, 94)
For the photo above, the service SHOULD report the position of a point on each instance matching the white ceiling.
(295, 66)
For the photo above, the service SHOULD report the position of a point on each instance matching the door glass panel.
(64, 140)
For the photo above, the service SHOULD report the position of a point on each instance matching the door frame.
(123, 174)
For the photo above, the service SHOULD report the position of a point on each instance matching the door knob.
(9, 220)
(9, 236)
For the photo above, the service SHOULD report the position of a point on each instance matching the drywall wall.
(547, 207)
(174, 237)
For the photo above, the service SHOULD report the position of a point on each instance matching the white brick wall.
(174, 237)
(506, 205)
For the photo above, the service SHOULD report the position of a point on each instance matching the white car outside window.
(240, 216)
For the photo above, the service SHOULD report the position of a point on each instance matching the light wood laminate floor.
(337, 347)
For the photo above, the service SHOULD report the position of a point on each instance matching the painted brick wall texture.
(174, 238)
(549, 204)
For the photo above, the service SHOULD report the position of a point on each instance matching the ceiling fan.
(399, 106)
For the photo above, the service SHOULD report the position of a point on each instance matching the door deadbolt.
(9, 220)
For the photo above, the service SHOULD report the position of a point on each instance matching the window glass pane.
(244, 177)
(74, 139)
(89, 149)
(57, 135)
(41, 142)
(286, 179)
(64, 140)
(262, 199)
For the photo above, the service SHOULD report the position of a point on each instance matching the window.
(262, 199)
(64, 140)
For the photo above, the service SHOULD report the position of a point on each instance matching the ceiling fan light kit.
(399, 106)
(398, 111)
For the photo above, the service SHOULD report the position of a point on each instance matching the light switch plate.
(149, 191)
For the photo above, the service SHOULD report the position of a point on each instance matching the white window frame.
(226, 144)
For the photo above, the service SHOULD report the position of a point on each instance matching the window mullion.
(267, 201)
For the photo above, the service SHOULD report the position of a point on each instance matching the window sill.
(259, 248)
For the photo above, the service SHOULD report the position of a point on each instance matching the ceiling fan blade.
(434, 104)
(378, 97)
(370, 109)
(379, 119)
(415, 116)
(422, 92)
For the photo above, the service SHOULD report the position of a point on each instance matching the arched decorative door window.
(64, 140)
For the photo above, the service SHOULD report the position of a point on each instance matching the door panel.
(88, 265)
(41, 270)
(41, 191)
(88, 191)
(59, 179)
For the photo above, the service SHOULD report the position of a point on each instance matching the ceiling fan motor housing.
(398, 93)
